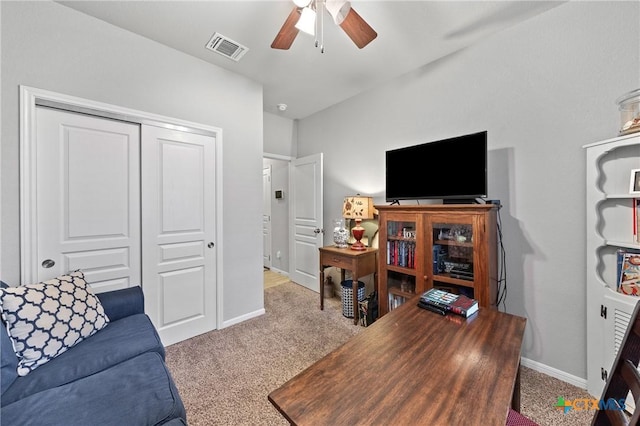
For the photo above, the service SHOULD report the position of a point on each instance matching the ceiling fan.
(303, 17)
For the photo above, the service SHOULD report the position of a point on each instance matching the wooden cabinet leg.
(354, 283)
(515, 400)
(321, 288)
(375, 288)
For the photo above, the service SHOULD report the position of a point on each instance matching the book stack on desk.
(443, 302)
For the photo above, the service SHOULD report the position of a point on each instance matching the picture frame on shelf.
(634, 184)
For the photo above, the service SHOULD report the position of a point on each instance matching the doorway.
(266, 216)
(276, 201)
(296, 189)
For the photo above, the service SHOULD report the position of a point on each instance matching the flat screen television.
(448, 169)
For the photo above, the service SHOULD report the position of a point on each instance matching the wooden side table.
(360, 263)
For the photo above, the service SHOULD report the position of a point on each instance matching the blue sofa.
(115, 377)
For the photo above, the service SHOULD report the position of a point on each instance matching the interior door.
(88, 206)
(266, 217)
(307, 222)
(178, 232)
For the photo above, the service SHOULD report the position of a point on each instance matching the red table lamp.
(358, 207)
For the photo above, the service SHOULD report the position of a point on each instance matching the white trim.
(126, 113)
(29, 96)
(279, 271)
(1, 196)
(277, 156)
(268, 170)
(243, 318)
(554, 372)
(2, 274)
(28, 207)
(219, 234)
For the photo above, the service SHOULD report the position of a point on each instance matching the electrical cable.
(501, 296)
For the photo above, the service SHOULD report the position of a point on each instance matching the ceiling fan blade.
(357, 29)
(288, 32)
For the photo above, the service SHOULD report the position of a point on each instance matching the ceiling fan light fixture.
(338, 9)
(302, 3)
(310, 19)
(307, 21)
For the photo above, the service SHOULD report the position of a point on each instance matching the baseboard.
(554, 372)
(279, 271)
(242, 318)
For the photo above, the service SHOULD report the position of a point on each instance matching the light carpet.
(224, 376)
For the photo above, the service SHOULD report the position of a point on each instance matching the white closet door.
(178, 232)
(88, 205)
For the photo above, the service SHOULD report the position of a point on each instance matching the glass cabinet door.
(401, 244)
(402, 260)
(453, 257)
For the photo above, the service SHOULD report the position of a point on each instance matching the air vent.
(621, 322)
(226, 47)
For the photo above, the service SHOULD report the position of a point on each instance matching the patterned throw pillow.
(46, 319)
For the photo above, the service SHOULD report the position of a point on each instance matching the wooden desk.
(360, 263)
(412, 367)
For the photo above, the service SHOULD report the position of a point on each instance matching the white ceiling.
(411, 34)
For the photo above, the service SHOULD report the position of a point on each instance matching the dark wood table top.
(412, 367)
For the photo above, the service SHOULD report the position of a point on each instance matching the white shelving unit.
(609, 227)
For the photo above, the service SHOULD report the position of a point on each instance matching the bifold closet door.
(88, 198)
(178, 232)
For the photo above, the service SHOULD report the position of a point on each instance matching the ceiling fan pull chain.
(315, 23)
(321, 27)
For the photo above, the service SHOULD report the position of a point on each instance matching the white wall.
(279, 135)
(49, 46)
(542, 89)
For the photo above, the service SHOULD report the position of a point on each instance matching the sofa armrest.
(122, 303)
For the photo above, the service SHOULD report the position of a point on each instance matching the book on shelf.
(444, 302)
(464, 272)
(401, 253)
(635, 217)
(439, 256)
(395, 301)
(628, 272)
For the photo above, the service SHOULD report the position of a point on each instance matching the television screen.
(445, 169)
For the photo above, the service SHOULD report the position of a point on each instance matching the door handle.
(210, 245)
(48, 263)
(318, 231)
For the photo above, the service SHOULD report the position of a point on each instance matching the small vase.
(340, 234)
